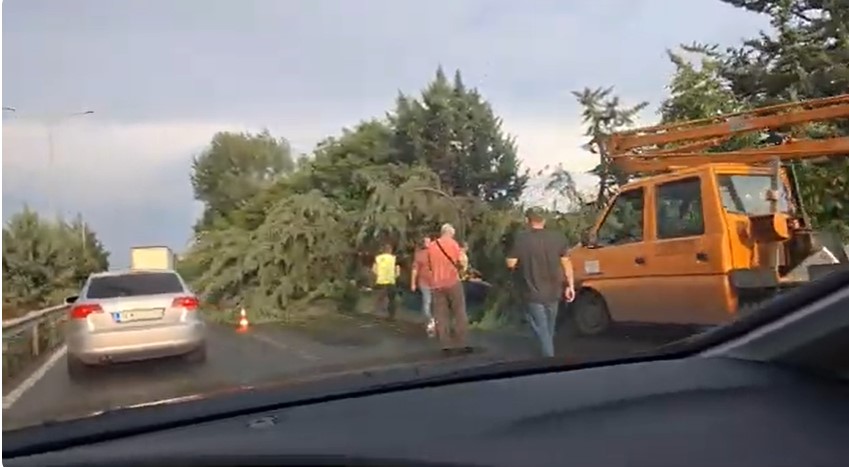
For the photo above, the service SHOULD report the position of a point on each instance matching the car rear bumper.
(136, 344)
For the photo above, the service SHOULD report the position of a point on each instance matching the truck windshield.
(746, 194)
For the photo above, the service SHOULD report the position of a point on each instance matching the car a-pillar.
(587, 315)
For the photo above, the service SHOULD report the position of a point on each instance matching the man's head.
(447, 230)
(535, 218)
(386, 248)
(426, 241)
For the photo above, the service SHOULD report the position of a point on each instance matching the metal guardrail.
(27, 337)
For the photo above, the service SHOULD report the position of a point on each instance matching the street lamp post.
(50, 125)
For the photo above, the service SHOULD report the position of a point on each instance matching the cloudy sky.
(163, 75)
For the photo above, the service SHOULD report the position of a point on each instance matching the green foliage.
(807, 57)
(455, 133)
(604, 114)
(296, 236)
(697, 89)
(234, 168)
(43, 262)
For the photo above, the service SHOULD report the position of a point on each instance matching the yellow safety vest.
(384, 269)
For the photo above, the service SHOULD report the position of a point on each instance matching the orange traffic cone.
(243, 321)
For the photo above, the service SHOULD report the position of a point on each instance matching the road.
(273, 353)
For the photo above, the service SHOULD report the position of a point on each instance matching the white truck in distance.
(151, 257)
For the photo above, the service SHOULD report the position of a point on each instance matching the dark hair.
(535, 215)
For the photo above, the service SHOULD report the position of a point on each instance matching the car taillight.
(83, 310)
(189, 303)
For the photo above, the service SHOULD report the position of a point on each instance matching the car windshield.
(215, 197)
(130, 285)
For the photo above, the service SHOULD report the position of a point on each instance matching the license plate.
(138, 315)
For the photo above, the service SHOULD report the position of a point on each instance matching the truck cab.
(690, 247)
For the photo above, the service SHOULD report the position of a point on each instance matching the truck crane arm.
(642, 150)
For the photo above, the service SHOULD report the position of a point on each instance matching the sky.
(162, 76)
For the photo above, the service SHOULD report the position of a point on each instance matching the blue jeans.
(427, 299)
(543, 317)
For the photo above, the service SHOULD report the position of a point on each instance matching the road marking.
(307, 355)
(28, 383)
(302, 353)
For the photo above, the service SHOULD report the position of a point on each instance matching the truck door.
(686, 269)
(615, 265)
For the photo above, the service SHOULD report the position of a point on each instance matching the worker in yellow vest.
(386, 272)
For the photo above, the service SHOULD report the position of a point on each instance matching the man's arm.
(513, 254)
(566, 264)
(414, 273)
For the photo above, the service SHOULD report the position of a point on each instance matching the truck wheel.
(589, 313)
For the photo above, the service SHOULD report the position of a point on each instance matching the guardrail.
(27, 337)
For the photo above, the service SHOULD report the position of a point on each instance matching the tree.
(604, 114)
(807, 57)
(311, 233)
(302, 237)
(454, 132)
(697, 89)
(236, 167)
(45, 261)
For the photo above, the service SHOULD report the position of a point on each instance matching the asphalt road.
(273, 353)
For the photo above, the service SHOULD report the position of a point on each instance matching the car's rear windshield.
(135, 284)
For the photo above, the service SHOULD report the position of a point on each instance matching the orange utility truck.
(702, 234)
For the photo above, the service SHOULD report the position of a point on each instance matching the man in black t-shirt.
(545, 276)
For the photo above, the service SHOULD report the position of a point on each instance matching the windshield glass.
(271, 191)
(747, 194)
(130, 285)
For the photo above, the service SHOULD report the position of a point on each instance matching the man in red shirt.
(421, 280)
(449, 301)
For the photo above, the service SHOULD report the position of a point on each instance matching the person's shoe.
(431, 328)
(467, 349)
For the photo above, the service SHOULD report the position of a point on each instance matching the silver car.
(123, 316)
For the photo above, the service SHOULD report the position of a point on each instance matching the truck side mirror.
(71, 299)
(588, 238)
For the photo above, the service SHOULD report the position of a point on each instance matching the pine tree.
(604, 114)
(453, 131)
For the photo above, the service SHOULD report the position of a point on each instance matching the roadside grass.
(326, 319)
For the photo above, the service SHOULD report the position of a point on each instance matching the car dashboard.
(692, 411)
